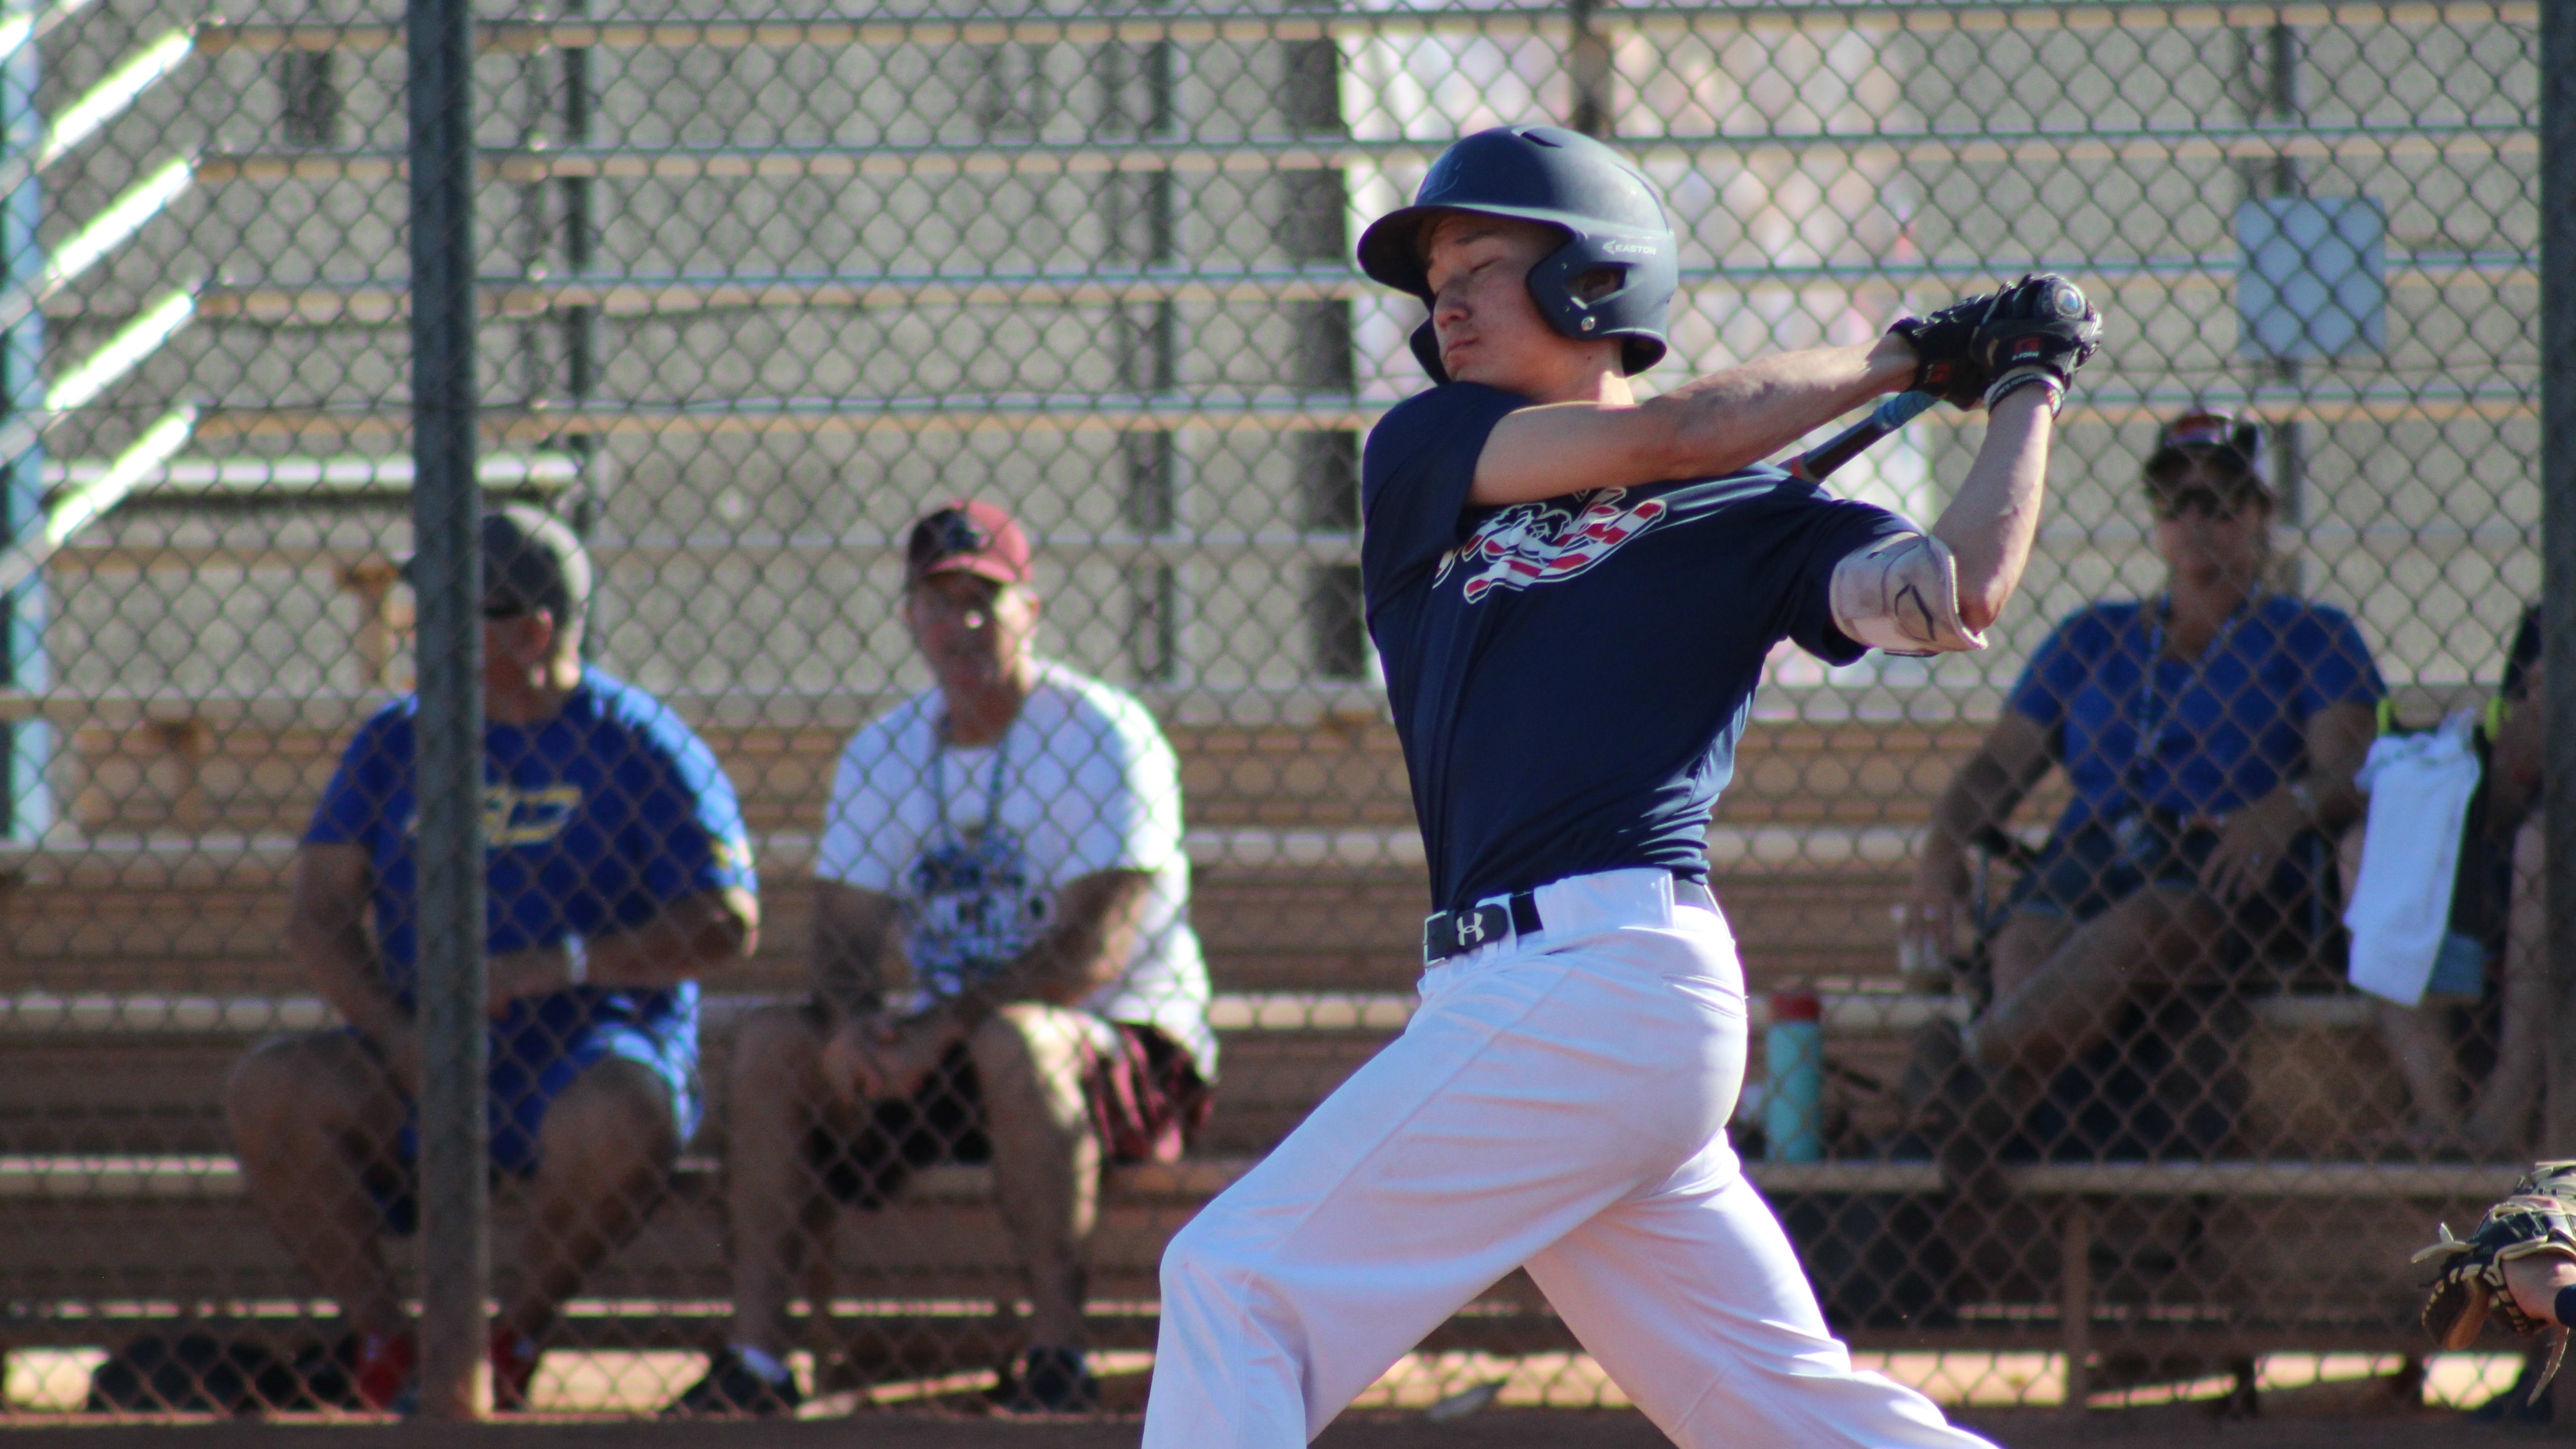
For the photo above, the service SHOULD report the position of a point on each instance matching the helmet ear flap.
(1426, 350)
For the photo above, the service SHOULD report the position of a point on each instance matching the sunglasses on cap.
(2211, 428)
(945, 534)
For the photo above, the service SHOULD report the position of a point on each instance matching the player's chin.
(1471, 364)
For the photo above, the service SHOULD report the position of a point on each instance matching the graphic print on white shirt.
(1543, 542)
(972, 908)
(1087, 784)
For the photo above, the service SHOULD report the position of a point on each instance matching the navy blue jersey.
(1569, 677)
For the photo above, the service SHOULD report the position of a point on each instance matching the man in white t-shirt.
(1014, 837)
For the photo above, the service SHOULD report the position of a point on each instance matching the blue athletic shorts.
(528, 1071)
(2087, 871)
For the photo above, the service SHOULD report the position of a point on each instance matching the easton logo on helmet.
(1547, 542)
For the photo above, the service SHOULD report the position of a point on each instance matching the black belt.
(1455, 933)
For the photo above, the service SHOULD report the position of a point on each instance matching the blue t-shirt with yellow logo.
(593, 822)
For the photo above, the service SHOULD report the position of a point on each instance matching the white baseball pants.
(1559, 1101)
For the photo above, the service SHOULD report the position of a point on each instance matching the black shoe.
(733, 1390)
(1050, 1381)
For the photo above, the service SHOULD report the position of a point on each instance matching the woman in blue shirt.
(2202, 731)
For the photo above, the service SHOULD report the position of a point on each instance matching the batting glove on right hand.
(2038, 333)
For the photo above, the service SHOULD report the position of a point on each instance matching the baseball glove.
(2538, 1217)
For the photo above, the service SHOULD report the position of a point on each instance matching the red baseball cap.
(976, 538)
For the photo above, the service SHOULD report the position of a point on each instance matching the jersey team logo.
(1541, 543)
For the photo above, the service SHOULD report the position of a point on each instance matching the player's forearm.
(1061, 969)
(1981, 794)
(2338, 739)
(1093, 939)
(341, 964)
(1702, 429)
(849, 982)
(1732, 419)
(856, 939)
(1991, 523)
(694, 936)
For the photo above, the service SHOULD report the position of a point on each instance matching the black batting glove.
(1945, 364)
(2037, 334)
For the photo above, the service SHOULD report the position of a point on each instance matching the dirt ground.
(2300, 1404)
(2151, 1428)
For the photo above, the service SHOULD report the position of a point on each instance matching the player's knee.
(276, 1087)
(617, 1111)
(1184, 1272)
(1205, 1256)
(1023, 1045)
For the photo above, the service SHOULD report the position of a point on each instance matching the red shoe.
(384, 1367)
(514, 1369)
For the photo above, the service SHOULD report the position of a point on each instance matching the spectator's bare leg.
(604, 1155)
(2416, 1037)
(308, 1116)
(775, 1092)
(2419, 1041)
(2502, 1116)
(2154, 938)
(1046, 1157)
(2024, 944)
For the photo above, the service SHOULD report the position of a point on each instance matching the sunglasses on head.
(943, 535)
(2211, 428)
(503, 610)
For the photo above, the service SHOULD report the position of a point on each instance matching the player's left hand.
(2041, 330)
(2251, 846)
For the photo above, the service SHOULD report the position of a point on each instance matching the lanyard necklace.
(2152, 709)
(992, 797)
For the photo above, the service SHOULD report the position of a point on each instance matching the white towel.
(2420, 787)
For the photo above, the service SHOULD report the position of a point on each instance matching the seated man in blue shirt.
(2203, 731)
(616, 871)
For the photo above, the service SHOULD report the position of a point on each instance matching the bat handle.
(1848, 444)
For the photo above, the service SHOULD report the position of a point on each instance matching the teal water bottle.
(1793, 1094)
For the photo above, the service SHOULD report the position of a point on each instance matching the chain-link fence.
(761, 291)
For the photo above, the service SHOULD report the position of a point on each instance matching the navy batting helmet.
(1562, 179)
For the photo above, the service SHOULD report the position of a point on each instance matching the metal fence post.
(446, 507)
(24, 744)
(2558, 567)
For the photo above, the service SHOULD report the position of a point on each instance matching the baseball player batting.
(1573, 594)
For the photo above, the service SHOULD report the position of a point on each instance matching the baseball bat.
(1846, 445)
